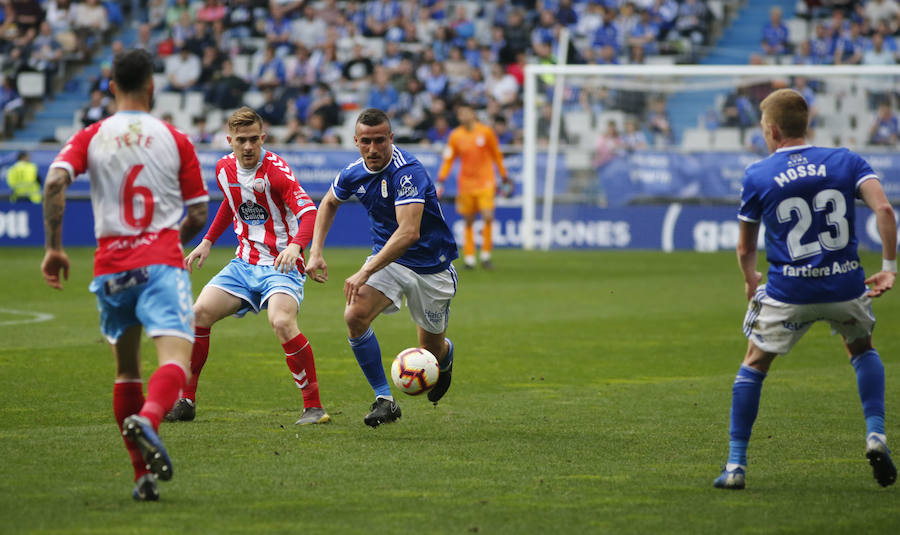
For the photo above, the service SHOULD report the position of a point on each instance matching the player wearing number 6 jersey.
(804, 196)
(263, 203)
(143, 172)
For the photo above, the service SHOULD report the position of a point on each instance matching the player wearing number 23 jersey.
(804, 196)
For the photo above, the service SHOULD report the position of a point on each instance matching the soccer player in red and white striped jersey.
(273, 218)
(143, 173)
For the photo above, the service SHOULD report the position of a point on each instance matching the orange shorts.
(475, 202)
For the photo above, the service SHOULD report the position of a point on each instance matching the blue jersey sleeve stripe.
(863, 179)
(742, 217)
(408, 201)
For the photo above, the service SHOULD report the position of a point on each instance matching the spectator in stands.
(439, 131)
(436, 81)
(633, 139)
(299, 70)
(382, 94)
(176, 12)
(317, 131)
(226, 91)
(692, 21)
(849, 47)
(544, 123)
(102, 81)
(271, 73)
(324, 104)
(210, 65)
(821, 46)
(240, 19)
(309, 29)
(885, 130)
(414, 100)
(516, 34)
(11, 104)
(609, 145)
(501, 127)
(279, 34)
(642, 39)
(200, 135)
(273, 110)
(658, 123)
(291, 8)
(607, 35)
(182, 70)
(775, 37)
(89, 22)
(878, 88)
(738, 111)
(358, 71)
(293, 132)
(211, 11)
(881, 11)
(94, 110)
(544, 31)
(60, 15)
(502, 86)
(329, 69)
(27, 14)
(474, 88)
(46, 56)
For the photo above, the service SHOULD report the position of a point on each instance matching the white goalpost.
(672, 80)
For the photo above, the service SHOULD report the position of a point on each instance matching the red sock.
(162, 391)
(198, 359)
(299, 357)
(128, 398)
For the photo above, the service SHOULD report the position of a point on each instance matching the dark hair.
(373, 117)
(132, 70)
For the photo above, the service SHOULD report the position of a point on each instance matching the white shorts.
(427, 296)
(775, 327)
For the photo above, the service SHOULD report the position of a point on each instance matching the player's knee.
(282, 324)
(355, 320)
(203, 317)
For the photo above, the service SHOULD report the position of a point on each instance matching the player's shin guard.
(198, 358)
(162, 391)
(870, 382)
(368, 355)
(745, 396)
(128, 398)
(299, 357)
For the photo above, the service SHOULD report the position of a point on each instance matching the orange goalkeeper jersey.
(478, 151)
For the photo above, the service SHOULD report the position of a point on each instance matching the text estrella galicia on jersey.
(252, 213)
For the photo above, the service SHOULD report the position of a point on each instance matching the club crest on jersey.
(384, 191)
(407, 188)
(480, 141)
(259, 185)
(252, 213)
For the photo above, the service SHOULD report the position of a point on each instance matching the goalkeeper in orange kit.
(478, 150)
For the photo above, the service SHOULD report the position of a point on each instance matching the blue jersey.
(403, 181)
(804, 196)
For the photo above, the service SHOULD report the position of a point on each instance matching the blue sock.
(744, 406)
(368, 355)
(448, 360)
(870, 382)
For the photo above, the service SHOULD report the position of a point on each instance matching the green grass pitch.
(591, 394)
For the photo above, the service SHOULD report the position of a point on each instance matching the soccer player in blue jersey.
(411, 256)
(804, 196)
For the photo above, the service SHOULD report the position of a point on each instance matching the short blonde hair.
(244, 116)
(788, 110)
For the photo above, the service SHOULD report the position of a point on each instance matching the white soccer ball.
(415, 370)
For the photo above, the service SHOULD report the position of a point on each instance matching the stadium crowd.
(303, 64)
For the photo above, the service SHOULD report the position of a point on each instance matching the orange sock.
(469, 241)
(487, 234)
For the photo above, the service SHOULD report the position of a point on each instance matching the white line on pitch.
(35, 317)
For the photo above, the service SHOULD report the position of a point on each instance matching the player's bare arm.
(55, 259)
(199, 255)
(873, 195)
(409, 220)
(746, 255)
(324, 219)
(193, 222)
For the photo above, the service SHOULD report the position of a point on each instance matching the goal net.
(652, 156)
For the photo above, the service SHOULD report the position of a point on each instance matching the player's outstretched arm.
(873, 195)
(746, 255)
(198, 255)
(55, 259)
(324, 219)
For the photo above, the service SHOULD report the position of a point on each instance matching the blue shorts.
(158, 297)
(256, 284)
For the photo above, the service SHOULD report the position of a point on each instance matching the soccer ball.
(415, 370)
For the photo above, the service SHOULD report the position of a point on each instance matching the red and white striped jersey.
(265, 203)
(143, 172)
